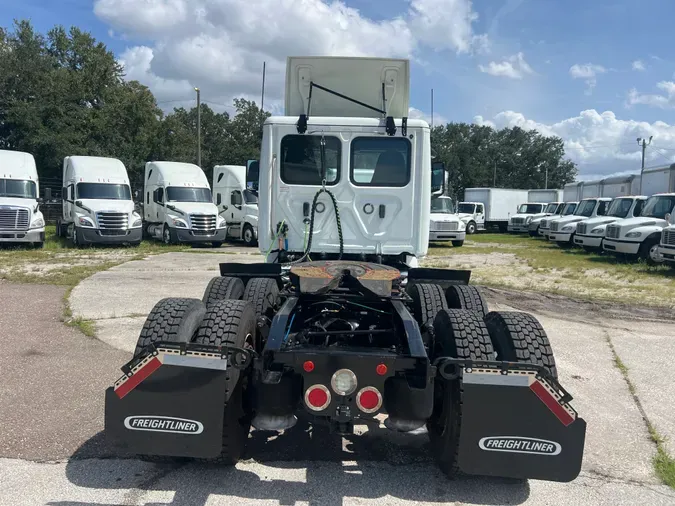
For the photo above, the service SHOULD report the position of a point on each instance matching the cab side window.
(218, 199)
(159, 195)
(602, 208)
(639, 205)
(479, 209)
(235, 198)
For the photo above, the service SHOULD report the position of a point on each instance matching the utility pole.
(199, 128)
(432, 108)
(494, 177)
(644, 144)
(546, 178)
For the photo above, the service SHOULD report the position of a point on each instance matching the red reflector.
(552, 403)
(308, 366)
(369, 399)
(139, 376)
(317, 397)
(381, 369)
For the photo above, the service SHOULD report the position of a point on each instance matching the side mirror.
(40, 201)
(437, 178)
(78, 202)
(668, 218)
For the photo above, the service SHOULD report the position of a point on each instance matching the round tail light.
(317, 397)
(343, 382)
(369, 399)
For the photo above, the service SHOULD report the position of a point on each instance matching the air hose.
(311, 225)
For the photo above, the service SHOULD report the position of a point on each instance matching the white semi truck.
(236, 203)
(179, 207)
(640, 236)
(483, 208)
(562, 229)
(520, 222)
(97, 204)
(445, 224)
(554, 209)
(590, 233)
(21, 221)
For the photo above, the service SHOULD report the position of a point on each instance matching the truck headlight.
(633, 235)
(599, 230)
(85, 222)
(221, 222)
(177, 222)
(569, 228)
(137, 223)
(37, 223)
(528, 220)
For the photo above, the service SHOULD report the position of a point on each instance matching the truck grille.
(544, 223)
(203, 223)
(14, 219)
(668, 237)
(612, 231)
(517, 221)
(446, 226)
(112, 221)
(581, 228)
(555, 226)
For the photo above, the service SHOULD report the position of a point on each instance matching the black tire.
(217, 244)
(169, 235)
(534, 233)
(174, 320)
(58, 228)
(457, 244)
(75, 238)
(264, 294)
(503, 227)
(428, 300)
(231, 322)
(223, 287)
(38, 245)
(458, 334)
(471, 227)
(519, 337)
(645, 251)
(466, 297)
(248, 236)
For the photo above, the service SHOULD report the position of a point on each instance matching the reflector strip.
(187, 361)
(511, 380)
(552, 403)
(135, 379)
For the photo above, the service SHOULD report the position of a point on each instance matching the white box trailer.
(621, 186)
(591, 189)
(572, 192)
(658, 180)
(499, 204)
(544, 196)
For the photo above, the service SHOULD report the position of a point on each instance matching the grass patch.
(87, 327)
(663, 463)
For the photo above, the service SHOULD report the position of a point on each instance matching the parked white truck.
(640, 236)
(554, 209)
(590, 233)
(568, 209)
(20, 218)
(445, 224)
(97, 204)
(520, 222)
(483, 208)
(563, 229)
(236, 203)
(666, 249)
(179, 207)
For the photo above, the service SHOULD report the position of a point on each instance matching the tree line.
(64, 93)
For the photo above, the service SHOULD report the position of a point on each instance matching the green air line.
(366, 307)
(276, 238)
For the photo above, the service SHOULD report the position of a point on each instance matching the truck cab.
(520, 222)
(473, 216)
(179, 206)
(563, 229)
(544, 227)
(666, 249)
(640, 236)
(445, 224)
(21, 221)
(534, 222)
(590, 233)
(236, 203)
(97, 204)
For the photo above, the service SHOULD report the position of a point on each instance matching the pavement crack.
(135, 495)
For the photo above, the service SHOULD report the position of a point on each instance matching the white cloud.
(414, 113)
(663, 101)
(639, 65)
(220, 45)
(600, 143)
(514, 67)
(589, 73)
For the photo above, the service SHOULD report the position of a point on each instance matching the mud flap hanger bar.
(449, 369)
(390, 126)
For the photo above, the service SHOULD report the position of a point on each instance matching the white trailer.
(20, 218)
(546, 196)
(236, 203)
(179, 206)
(621, 186)
(499, 205)
(658, 180)
(591, 189)
(97, 205)
(572, 192)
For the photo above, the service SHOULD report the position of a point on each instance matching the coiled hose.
(311, 225)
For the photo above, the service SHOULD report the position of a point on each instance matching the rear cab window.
(380, 161)
(301, 159)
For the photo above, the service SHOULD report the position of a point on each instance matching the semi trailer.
(340, 326)
(542, 195)
(236, 202)
(97, 205)
(21, 221)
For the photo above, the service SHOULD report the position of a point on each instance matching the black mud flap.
(519, 425)
(169, 404)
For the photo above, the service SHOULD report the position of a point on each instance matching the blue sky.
(599, 74)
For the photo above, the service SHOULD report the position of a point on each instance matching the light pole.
(199, 128)
(644, 148)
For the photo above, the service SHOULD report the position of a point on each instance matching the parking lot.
(613, 358)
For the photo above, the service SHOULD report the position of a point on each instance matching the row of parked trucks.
(177, 203)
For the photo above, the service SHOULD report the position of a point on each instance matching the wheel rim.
(654, 253)
(167, 236)
(74, 236)
(248, 236)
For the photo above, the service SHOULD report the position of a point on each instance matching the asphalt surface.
(51, 411)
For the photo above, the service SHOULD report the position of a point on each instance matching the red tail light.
(369, 399)
(317, 397)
